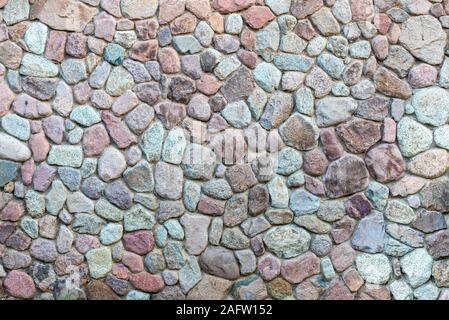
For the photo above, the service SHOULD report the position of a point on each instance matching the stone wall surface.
(242, 149)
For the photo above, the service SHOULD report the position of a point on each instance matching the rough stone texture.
(224, 149)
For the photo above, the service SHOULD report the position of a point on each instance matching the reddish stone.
(112, 6)
(332, 147)
(216, 22)
(125, 103)
(257, 246)
(315, 162)
(211, 206)
(241, 177)
(337, 291)
(43, 177)
(120, 271)
(39, 146)
(376, 292)
(140, 242)
(36, 126)
(86, 242)
(230, 6)
(6, 229)
(13, 211)
(6, 98)
(358, 206)
(343, 229)
(82, 92)
(359, 135)
(183, 24)
(389, 130)
(118, 130)
(104, 26)
(269, 267)
(352, 279)
(132, 261)
(76, 45)
(300, 268)
(362, 10)
(385, 163)
(305, 30)
(169, 60)
(147, 29)
(27, 171)
(248, 58)
(18, 241)
(382, 22)
(208, 84)
(248, 39)
(258, 16)
(20, 285)
(55, 45)
(147, 282)
(422, 75)
(314, 186)
(170, 114)
(342, 256)
(170, 9)
(97, 290)
(144, 51)
(54, 128)
(200, 8)
(438, 244)
(95, 140)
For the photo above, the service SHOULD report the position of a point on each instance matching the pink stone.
(343, 229)
(342, 256)
(82, 92)
(18, 241)
(385, 163)
(315, 162)
(248, 58)
(13, 211)
(125, 103)
(332, 147)
(144, 51)
(84, 243)
(36, 126)
(422, 75)
(298, 269)
(230, 6)
(389, 130)
(39, 146)
(55, 45)
(118, 131)
(140, 242)
(147, 29)
(147, 282)
(120, 271)
(95, 140)
(362, 10)
(216, 22)
(76, 45)
(358, 206)
(19, 284)
(169, 60)
(6, 98)
(54, 128)
(211, 206)
(394, 33)
(104, 26)
(208, 84)
(337, 291)
(305, 30)
(183, 24)
(382, 22)
(269, 267)
(43, 177)
(112, 7)
(258, 17)
(30, 108)
(132, 261)
(27, 171)
(352, 279)
(200, 8)
(380, 47)
(314, 186)
(170, 9)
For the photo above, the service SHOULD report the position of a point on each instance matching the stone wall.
(245, 149)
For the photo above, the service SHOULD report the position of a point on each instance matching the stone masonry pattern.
(224, 149)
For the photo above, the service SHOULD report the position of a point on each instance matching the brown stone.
(258, 200)
(169, 60)
(391, 85)
(358, 206)
(118, 130)
(170, 114)
(98, 290)
(300, 268)
(211, 206)
(258, 16)
(385, 163)
(315, 162)
(144, 51)
(342, 256)
(359, 135)
(241, 177)
(210, 288)
(331, 145)
(147, 282)
(95, 140)
(147, 29)
(299, 133)
(183, 24)
(438, 244)
(346, 176)
(55, 46)
(343, 229)
(337, 291)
